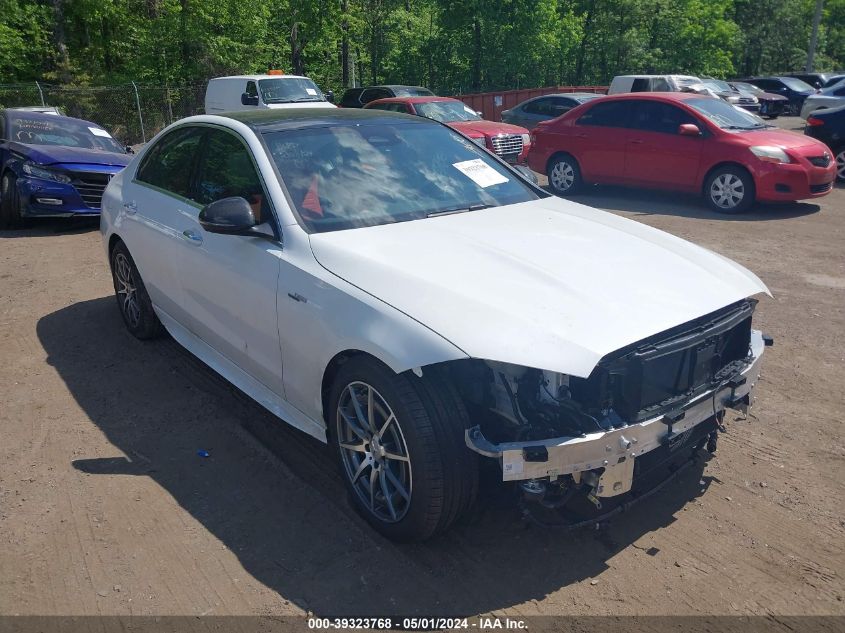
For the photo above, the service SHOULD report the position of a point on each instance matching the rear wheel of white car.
(729, 189)
(564, 175)
(400, 443)
(10, 203)
(132, 298)
(840, 164)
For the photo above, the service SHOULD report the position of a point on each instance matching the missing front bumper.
(613, 453)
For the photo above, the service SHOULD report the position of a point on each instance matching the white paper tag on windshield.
(99, 132)
(480, 172)
(311, 91)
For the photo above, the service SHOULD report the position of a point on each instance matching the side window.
(659, 84)
(608, 114)
(652, 116)
(226, 170)
(2, 127)
(641, 84)
(372, 94)
(381, 106)
(169, 164)
(766, 84)
(561, 105)
(836, 93)
(251, 89)
(540, 106)
(350, 98)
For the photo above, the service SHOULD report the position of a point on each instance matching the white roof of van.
(257, 77)
(666, 75)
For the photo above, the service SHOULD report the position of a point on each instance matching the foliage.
(449, 45)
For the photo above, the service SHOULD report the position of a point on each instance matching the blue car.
(53, 166)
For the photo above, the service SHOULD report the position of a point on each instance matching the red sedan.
(683, 142)
(510, 142)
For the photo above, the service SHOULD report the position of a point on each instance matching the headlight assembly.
(770, 154)
(36, 171)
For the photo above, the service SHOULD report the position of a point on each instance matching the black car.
(793, 89)
(359, 97)
(828, 126)
(816, 80)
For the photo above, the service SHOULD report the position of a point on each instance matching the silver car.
(531, 112)
(831, 97)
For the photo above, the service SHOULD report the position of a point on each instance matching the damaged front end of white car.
(641, 416)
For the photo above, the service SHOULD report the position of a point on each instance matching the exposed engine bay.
(649, 402)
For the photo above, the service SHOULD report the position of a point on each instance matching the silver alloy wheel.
(126, 289)
(840, 164)
(375, 456)
(562, 176)
(727, 191)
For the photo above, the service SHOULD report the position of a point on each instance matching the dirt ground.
(106, 507)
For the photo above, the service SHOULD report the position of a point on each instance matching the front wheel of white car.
(400, 443)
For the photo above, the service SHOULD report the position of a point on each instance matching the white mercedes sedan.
(384, 284)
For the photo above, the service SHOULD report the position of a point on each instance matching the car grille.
(90, 186)
(821, 188)
(668, 369)
(747, 101)
(820, 161)
(507, 145)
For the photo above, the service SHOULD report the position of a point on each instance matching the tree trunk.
(814, 36)
(344, 43)
(296, 47)
(582, 47)
(476, 54)
(60, 42)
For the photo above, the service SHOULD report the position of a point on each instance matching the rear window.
(413, 91)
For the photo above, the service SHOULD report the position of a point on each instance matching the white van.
(651, 83)
(263, 92)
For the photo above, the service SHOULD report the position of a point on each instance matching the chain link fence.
(133, 113)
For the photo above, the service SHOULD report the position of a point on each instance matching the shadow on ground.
(283, 512)
(654, 202)
(45, 227)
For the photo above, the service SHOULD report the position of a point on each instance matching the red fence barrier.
(491, 104)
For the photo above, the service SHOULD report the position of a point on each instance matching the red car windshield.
(446, 111)
(726, 116)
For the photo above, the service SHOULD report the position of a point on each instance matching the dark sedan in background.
(544, 108)
(793, 89)
(771, 105)
(828, 126)
(359, 97)
(53, 166)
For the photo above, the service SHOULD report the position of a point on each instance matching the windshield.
(289, 90)
(412, 91)
(446, 111)
(797, 84)
(54, 130)
(747, 87)
(348, 176)
(726, 116)
(718, 85)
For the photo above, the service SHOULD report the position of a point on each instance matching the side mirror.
(129, 149)
(229, 216)
(329, 95)
(526, 173)
(689, 129)
(249, 100)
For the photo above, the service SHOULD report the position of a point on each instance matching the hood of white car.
(548, 284)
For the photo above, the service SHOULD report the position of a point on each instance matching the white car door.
(153, 215)
(229, 281)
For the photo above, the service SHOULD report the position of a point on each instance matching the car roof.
(394, 86)
(289, 118)
(418, 99)
(257, 77)
(656, 96)
(44, 116)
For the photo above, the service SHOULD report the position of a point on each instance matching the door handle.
(192, 237)
(131, 207)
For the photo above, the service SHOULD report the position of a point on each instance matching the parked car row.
(684, 142)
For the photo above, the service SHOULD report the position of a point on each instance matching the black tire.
(10, 202)
(729, 189)
(140, 319)
(564, 175)
(839, 158)
(439, 474)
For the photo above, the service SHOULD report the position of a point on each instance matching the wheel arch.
(719, 165)
(558, 154)
(114, 239)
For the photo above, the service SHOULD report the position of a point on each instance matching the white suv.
(651, 83)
